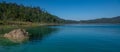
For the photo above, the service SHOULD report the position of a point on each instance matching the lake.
(69, 38)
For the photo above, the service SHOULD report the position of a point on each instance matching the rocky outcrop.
(17, 35)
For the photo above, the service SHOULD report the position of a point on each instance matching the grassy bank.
(10, 25)
(25, 23)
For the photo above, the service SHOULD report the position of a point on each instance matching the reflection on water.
(35, 34)
(69, 38)
(38, 33)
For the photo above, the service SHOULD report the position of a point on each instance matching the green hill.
(12, 12)
(103, 20)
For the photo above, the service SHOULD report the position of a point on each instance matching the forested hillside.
(15, 12)
(103, 20)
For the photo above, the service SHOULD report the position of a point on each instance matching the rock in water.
(17, 35)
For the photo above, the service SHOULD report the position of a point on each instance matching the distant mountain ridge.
(103, 20)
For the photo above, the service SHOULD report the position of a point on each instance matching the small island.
(17, 35)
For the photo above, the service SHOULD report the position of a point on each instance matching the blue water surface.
(72, 38)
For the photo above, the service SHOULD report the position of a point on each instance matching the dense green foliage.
(103, 20)
(15, 12)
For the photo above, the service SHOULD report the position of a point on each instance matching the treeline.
(103, 20)
(15, 12)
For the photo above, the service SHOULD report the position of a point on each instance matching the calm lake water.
(70, 38)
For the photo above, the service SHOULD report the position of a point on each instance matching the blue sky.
(76, 9)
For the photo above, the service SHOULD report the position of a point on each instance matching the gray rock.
(17, 35)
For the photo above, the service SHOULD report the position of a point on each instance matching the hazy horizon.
(76, 9)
